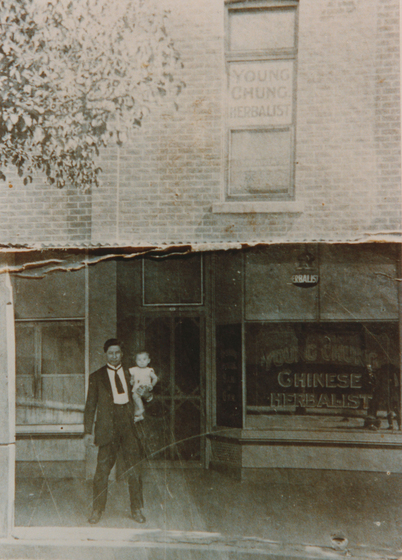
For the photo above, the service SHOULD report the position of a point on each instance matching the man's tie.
(117, 380)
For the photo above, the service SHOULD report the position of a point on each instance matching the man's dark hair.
(112, 342)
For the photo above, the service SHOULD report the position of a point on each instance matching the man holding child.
(110, 397)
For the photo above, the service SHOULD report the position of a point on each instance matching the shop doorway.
(175, 419)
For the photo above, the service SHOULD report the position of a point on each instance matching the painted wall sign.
(260, 93)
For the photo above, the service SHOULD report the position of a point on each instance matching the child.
(143, 380)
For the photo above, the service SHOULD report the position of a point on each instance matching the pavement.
(195, 513)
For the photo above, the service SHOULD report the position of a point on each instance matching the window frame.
(37, 324)
(260, 56)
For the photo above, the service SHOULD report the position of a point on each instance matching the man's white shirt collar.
(118, 398)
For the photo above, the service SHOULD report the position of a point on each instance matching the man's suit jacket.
(100, 401)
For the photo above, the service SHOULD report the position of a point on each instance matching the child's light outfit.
(143, 380)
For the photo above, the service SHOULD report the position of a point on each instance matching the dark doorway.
(175, 418)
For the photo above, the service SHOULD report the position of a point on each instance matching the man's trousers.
(123, 438)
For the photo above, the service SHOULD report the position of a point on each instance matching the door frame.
(173, 313)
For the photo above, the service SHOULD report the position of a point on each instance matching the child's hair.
(142, 352)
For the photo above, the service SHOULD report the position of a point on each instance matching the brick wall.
(387, 116)
(347, 136)
(40, 214)
(161, 187)
(169, 177)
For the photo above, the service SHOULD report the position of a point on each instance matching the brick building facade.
(167, 186)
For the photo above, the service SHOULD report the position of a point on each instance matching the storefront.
(61, 322)
(308, 359)
(265, 357)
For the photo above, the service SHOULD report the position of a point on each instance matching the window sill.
(66, 430)
(258, 207)
(310, 437)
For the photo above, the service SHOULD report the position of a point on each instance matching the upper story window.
(261, 49)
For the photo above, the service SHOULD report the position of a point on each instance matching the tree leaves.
(75, 76)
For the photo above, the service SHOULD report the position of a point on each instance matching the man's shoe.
(137, 516)
(95, 517)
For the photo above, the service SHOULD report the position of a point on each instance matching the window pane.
(61, 391)
(58, 348)
(261, 29)
(56, 295)
(63, 348)
(349, 371)
(24, 388)
(55, 407)
(260, 163)
(25, 349)
(173, 281)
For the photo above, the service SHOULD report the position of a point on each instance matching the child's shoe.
(138, 418)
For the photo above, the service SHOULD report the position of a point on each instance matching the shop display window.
(346, 374)
(308, 337)
(50, 372)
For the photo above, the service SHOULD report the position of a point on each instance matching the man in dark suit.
(109, 396)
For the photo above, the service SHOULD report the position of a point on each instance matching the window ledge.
(311, 437)
(260, 207)
(28, 430)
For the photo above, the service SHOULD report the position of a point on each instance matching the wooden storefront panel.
(270, 294)
(358, 283)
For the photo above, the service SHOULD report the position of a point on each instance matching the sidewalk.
(292, 507)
